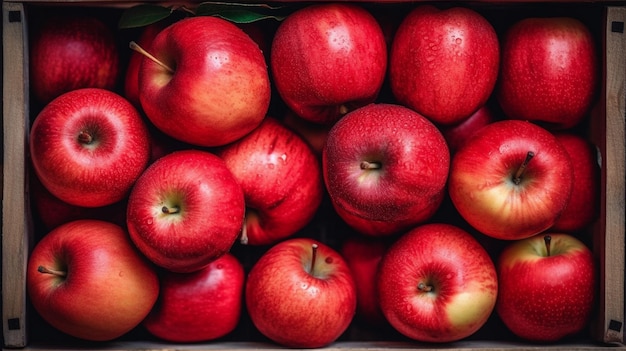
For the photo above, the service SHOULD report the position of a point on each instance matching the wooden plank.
(14, 203)
(614, 159)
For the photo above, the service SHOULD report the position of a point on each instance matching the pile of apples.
(425, 135)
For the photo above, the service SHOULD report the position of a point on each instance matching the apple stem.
(46, 270)
(425, 288)
(522, 168)
(244, 234)
(85, 137)
(313, 257)
(170, 210)
(370, 165)
(547, 239)
(141, 50)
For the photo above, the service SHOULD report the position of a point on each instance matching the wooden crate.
(606, 130)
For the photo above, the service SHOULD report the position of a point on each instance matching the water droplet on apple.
(458, 41)
(270, 165)
(149, 221)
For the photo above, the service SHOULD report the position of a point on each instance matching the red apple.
(456, 135)
(301, 294)
(69, 52)
(583, 205)
(328, 59)
(86, 279)
(363, 255)
(314, 134)
(436, 283)
(547, 287)
(444, 63)
(131, 78)
(89, 146)
(511, 180)
(281, 180)
(385, 168)
(549, 71)
(185, 210)
(199, 306)
(212, 86)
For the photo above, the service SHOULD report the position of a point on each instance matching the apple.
(207, 84)
(328, 59)
(547, 287)
(456, 135)
(69, 52)
(281, 180)
(583, 206)
(199, 306)
(314, 134)
(89, 146)
(131, 77)
(185, 210)
(511, 180)
(549, 71)
(385, 168)
(301, 294)
(51, 212)
(363, 255)
(444, 63)
(86, 279)
(436, 283)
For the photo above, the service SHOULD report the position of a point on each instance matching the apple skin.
(363, 255)
(69, 52)
(444, 63)
(199, 306)
(89, 146)
(583, 206)
(549, 71)
(185, 210)
(343, 36)
(413, 163)
(220, 87)
(109, 287)
(294, 307)
(131, 78)
(482, 180)
(314, 134)
(281, 180)
(546, 298)
(456, 135)
(458, 269)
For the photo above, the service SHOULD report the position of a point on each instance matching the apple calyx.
(84, 137)
(47, 270)
(517, 179)
(313, 257)
(139, 49)
(547, 239)
(170, 210)
(370, 165)
(424, 288)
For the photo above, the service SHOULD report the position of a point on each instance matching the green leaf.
(239, 13)
(143, 15)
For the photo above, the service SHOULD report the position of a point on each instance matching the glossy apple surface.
(457, 134)
(185, 210)
(281, 179)
(69, 52)
(436, 283)
(549, 71)
(131, 78)
(583, 206)
(328, 59)
(218, 87)
(89, 146)
(87, 280)
(444, 63)
(547, 288)
(385, 168)
(300, 296)
(199, 306)
(511, 180)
